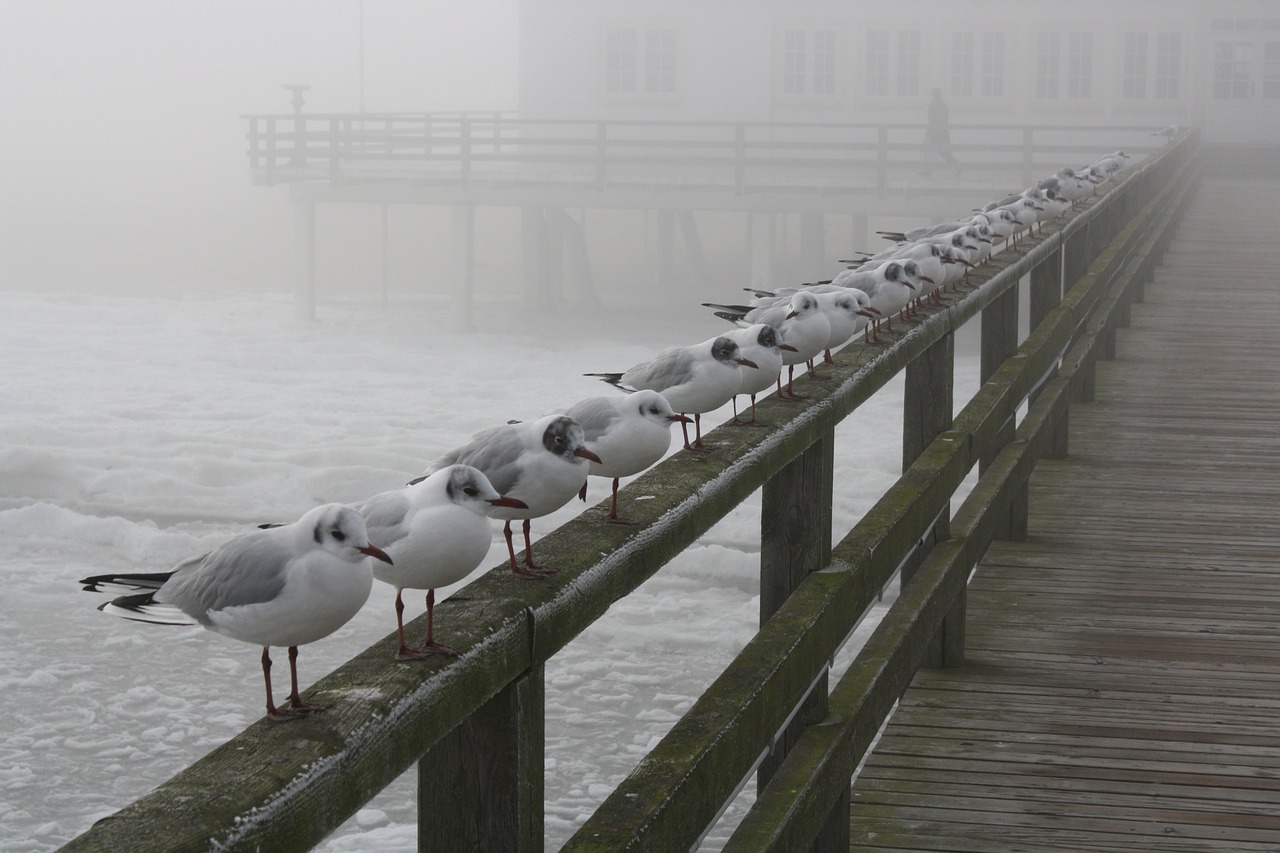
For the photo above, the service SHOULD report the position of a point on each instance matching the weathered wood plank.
(1120, 687)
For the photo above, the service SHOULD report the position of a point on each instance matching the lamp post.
(299, 126)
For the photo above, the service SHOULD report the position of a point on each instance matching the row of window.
(645, 61)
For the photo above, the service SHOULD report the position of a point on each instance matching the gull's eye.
(338, 535)
(653, 410)
(470, 491)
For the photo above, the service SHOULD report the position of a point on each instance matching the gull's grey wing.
(496, 452)
(595, 415)
(454, 457)
(384, 516)
(669, 368)
(246, 570)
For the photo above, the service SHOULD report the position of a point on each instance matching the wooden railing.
(474, 723)
(470, 149)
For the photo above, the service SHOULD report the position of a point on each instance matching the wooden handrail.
(286, 787)
(444, 147)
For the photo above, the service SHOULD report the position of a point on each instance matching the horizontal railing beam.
(818, 769)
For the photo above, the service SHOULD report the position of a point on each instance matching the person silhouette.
(937, 134)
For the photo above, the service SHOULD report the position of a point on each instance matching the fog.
(124, 148)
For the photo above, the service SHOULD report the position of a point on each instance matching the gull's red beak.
(746, 362)
(583, 453)
(681, 419)
(513, 503)
(375, 552)
(788, 347)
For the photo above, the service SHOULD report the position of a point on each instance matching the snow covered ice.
(137, 432)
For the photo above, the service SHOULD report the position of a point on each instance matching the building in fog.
(1214, 65)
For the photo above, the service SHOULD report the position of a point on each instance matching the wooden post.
(739, 159)
(601, 154)
(927, 404)
(882, 161)
(813, 246)
(999, 342)
(760, 249)
(694, 251)
(795, 539)
(481, 786)
(304, 243)
(1046, 288)
(386, 256)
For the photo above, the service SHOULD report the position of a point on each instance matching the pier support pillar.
(304, 243)
(462, 295)
(813, 247)
(760, 237)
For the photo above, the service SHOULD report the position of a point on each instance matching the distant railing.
(475, 149)
(474, 724)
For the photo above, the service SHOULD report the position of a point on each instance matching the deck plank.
(1120, 687)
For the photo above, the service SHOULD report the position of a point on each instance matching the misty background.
(124, 161)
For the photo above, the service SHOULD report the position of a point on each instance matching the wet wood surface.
(1122, 681)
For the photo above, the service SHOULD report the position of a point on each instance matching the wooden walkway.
(1122, 682)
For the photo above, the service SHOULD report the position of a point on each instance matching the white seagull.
(436, 532)
(800, 320)
(631, 432)
(541, 463)
(287, 586)
(763, 345)
(694, 379)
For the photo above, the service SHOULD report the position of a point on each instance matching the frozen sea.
(135, 432)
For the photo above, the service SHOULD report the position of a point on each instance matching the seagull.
(541, 463)
(694, 379)
(436, 531)
(1168, 132)
(888, 289)
(632, 432)
(287, 586)
(798, 318)
(762, 344)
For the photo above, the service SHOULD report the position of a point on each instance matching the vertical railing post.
(926, 413)
(739, 158)
(882, 161)
(464, 150)
(481, 786)
(1028, 157)
(999, 342)
(795, 540)
(1045, 295)
(272, 146)
(602, 144)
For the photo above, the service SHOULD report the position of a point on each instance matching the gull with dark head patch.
(286, 586)
(436, 532)
(541, 463)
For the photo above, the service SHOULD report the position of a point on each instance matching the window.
(1271, 70)
(993, 65)
(962, 62)
(1146, 74)
(1048, 64)
(1168, 76)
(977, 64)
(1231, 61)
(1079, 65)
(1134, 82)
(808, 62)
(641, 61)
(893, 62)
(1064, 66)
